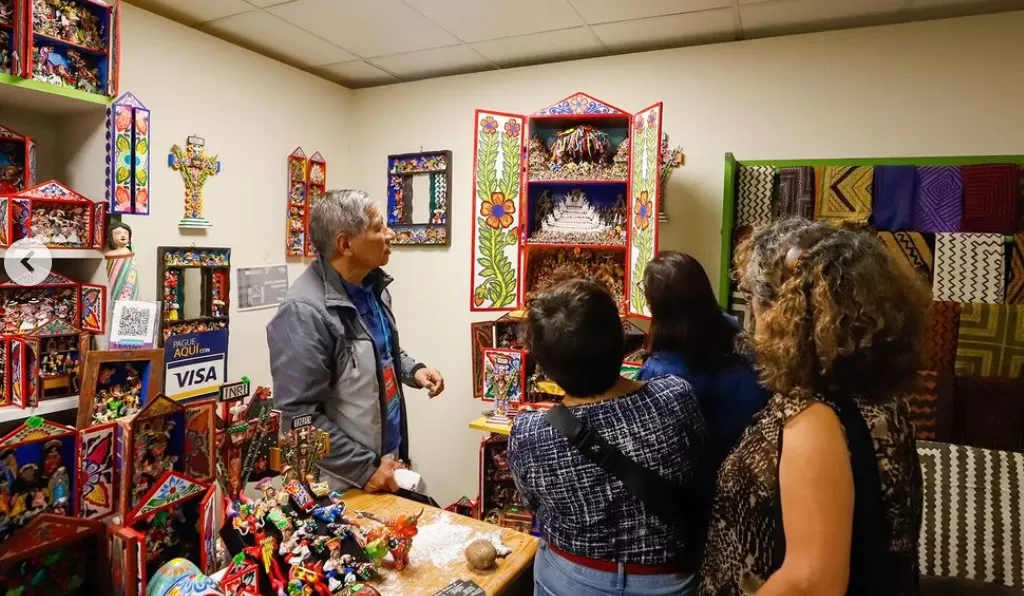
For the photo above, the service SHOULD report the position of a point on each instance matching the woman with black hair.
(692, 338)
(600, 537)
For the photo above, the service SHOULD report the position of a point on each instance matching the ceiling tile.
(477, 20)
(541, 47)
(273, 37)
(682, 29)
(782, 17)
(367, 29)
(606, 11)
(355, 74)
(267, 3)
(436, 62)
(192, 12)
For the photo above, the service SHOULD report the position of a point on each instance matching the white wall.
(935, 88)
(253, 112)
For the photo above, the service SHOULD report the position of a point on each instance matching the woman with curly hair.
(822, 495)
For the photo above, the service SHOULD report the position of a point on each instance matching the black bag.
(871, 573)
(667, 500)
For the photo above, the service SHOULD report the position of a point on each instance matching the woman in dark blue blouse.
(692, 338)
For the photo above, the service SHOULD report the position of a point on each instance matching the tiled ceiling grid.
(363, 43)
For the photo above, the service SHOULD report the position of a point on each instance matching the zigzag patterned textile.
(941, 331)
(1015, 287)
(973, 522)
(739, 307)
(969, 268)
(893, 208)
(991, 341)
(991, 412)
(843, 194)
(754, 198)
(938, 200)
(991, 198)
(794, 193)
(911, 250)
(931, 406)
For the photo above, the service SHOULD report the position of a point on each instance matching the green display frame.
(732, 168)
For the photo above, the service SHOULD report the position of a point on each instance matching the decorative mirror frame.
(215, 264)
(402, 168)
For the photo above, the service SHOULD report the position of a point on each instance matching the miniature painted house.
(8, 43)
(51, 357)
(54, 215)
(79, 305)
(74, 44)
(307, 183)
(38, 463)
(63, 553)
(175, 518)
(17, 166)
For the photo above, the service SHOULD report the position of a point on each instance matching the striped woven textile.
(843, 194)
(991, 198)
(1015, 286)
(794, 193)
(991, 341)
(973, 522)
(911, 250)
(938, 199)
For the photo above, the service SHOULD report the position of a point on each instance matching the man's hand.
(431, 380)
(383, 480)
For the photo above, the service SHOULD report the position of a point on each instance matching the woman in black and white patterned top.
(598, 537)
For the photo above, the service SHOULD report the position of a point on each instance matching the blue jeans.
(554, 575)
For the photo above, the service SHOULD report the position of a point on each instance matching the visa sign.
(196, 364)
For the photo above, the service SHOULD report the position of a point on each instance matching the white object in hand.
(408, 479)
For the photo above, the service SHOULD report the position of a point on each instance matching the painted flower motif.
(490, 125)
(141, 122)
(578, 104)
(123, 120)
(142, 200)
(479, 295)
(642, 211)
(498, 211)
(512, 128)
(638, 123)
(513, 234)
(652, 118)
(122, 199)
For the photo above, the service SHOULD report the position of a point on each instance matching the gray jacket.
(324, 362)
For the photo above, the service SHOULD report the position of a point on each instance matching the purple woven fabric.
(939, 199)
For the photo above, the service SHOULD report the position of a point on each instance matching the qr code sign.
(134, 323)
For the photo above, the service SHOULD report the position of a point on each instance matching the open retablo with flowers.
(569, 192)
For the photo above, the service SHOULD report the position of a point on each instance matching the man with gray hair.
(334, 351)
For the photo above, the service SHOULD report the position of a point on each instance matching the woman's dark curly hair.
(833, 311)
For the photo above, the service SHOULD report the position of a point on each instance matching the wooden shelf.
(46, 406)
(571, 182)
(482, 424)
(68, 253)
(39, 97)
(70, 44)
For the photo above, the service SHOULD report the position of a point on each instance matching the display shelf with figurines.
(193, 275)
(429, 223)
(248, 430)
(307, 184)
(25, 307)
(37, 473)
(118, 383)
(593, 214)
(128, 156)
(17, 170)
(51, 358)
(504, 382)
(56, 217)
(73, 43)
(67, 555)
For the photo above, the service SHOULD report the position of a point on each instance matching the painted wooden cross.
(195, 168)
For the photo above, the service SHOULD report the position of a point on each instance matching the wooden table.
(424, 578)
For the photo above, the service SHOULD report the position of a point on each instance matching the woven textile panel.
(973, 522)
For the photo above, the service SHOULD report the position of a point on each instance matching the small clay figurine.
(119, 240)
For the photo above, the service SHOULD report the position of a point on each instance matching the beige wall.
(937, 88)
(947, 87)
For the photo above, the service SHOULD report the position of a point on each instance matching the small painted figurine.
(397, 534)
(122, 273)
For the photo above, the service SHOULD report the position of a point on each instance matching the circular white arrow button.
(28, 262)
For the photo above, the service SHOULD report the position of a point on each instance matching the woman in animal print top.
(837, 323)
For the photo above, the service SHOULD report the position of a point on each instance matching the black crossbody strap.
(667, 500)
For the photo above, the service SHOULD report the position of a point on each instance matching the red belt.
(629, 568)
